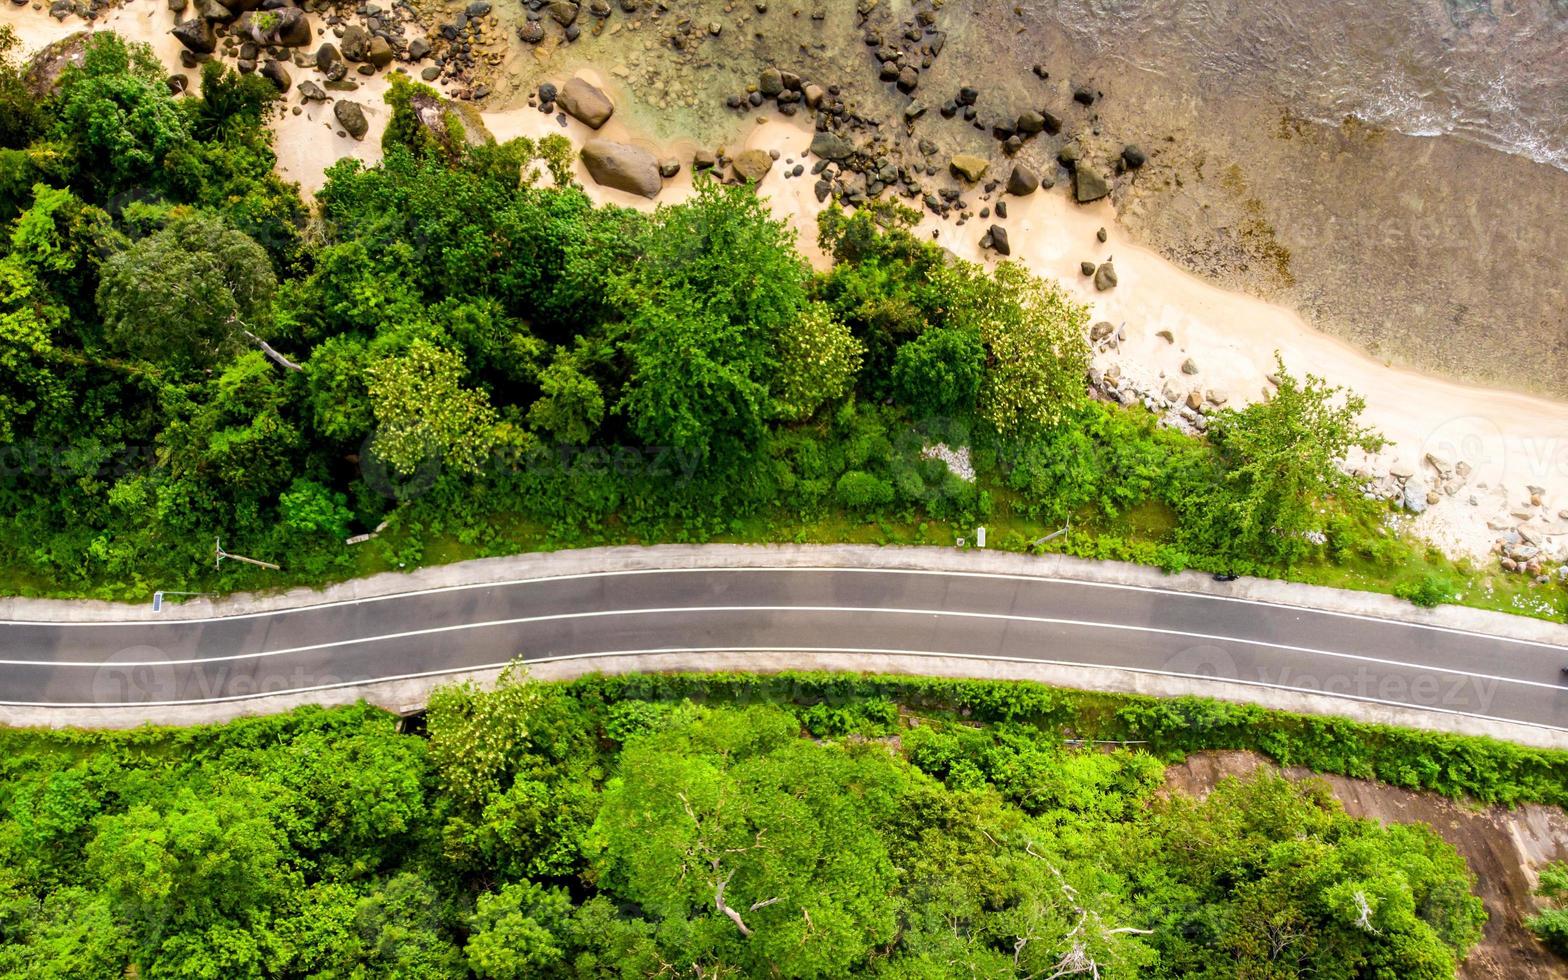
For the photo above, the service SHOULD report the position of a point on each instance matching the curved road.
(772, 610)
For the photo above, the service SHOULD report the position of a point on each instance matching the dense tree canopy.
(590, 831)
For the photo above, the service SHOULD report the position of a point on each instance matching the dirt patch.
(1504, 848)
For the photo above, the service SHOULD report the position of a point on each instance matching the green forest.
(456, 347)
(707, 826)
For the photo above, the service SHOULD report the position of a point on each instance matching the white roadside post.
(980, 537)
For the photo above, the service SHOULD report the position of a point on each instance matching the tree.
(516, 932)
(233, 106)
(1281, 469)
(1037, 354)
(116, 116)
(817, 361)
(740, 839)
(570, 405)
(28, 320)
(716, 281)
(187, 296)
(424, 413)
(940, 372)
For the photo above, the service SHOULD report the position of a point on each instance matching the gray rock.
(623, 167)
(669, 167)
(1088, 185)
(1415, 495)
(273, 71)
(771, 83)
(418, 48)
(1029, 122)
(584, 102)
(564, 12)
(1105, 277)
(1133, 156)
(1101, 330)
(998, 236)
(196, 35)
(355, 43)
(969, 166)
(285, 27)
(309, 91)
(378, 52)
(1189, 366)
(351, 116)
(1022, 181)
(753, 165)
(831, 146)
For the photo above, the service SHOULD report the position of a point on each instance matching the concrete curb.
(487, 571)
(408, 696)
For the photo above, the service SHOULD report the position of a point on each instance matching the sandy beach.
(1513, 447)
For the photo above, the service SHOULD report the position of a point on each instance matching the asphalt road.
(772, 610)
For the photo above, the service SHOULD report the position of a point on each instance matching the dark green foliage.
(806, 825)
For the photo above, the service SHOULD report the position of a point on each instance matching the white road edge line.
(859, 610)
(1008, 576)
(776, 649)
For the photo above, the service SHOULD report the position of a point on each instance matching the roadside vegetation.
(457, 348)
(796, 825)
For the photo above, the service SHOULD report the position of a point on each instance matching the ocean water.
(1492, 72)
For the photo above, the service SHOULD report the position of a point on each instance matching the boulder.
(969, 166)
(563, 12)
(753, 165)
(1189, 366)
(329, 62)
(623, 167)
(1415, 495)
(831, 146)
(1088, 185)
(998, 236)
(669, 167)
(196, 35)
(214, 11)
(530, 31)
(355, 43)
(309, 91)
(584, 102)
(43, 69)
(770, 83)
(1102, 330)
(446, 121)
(1133, 156)
(1029, 123)
(1105, 277)
(704, 160)
(1022, 181)
(286, 27)
(273, 71)
(379, 52)
(351, 116)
